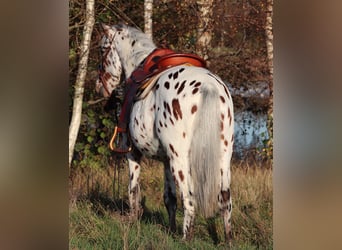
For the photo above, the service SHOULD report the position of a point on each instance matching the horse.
(186, 121)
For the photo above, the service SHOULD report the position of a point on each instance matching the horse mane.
(143, 43)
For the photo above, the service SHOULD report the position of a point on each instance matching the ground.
(98, 218)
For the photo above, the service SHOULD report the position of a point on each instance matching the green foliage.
(266, 152)
(91, 149)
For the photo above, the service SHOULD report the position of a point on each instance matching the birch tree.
(205, 27)
(148, 10)
(269, 46)
(269, 36)
(82, 70)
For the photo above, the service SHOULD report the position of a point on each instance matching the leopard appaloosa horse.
(186, 119)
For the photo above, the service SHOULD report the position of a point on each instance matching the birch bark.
(82, 71)
(269, 46)
(205, 27)
(148, 10)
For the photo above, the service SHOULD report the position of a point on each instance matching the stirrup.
(118, 144)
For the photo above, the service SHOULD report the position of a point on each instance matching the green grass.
(98, 219)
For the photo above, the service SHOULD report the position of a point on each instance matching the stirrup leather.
(117, 143)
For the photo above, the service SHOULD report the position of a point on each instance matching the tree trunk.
(82, 70)
(205, 27)
(148, 7)
(269, 36)
(269, 46)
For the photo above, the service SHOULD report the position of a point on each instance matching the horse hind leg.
(170, 197)
(134, 187)
(226, 209)
(181, 174)
(225, 202)
(224, 197)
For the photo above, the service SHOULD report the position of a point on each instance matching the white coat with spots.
(187, 119)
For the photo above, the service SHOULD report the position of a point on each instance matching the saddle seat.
(157, 62)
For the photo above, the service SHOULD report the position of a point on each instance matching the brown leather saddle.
(160, 60)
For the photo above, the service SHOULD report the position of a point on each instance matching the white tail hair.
(205, 152)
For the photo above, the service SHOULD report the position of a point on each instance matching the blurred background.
(35, 111)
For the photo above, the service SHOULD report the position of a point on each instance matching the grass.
(98, 216)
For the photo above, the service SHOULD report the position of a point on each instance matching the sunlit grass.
(98, 218)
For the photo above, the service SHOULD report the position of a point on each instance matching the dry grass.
(97, 215)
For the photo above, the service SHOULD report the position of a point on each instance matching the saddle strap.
(176, 59)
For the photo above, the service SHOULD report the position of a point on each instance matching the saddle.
(157, 62)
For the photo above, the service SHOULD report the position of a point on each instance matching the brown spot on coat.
(177, 112)
(225, 90)
(172, 148)
(168, 108)
(106, 76)
(193, 109)
(167, 85)
(195, 91)
(136, 167)
(181, 176)
(225, 195)
(222, 99)
(197, 84)
(181, 87)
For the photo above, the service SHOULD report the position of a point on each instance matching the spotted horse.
(186, 120)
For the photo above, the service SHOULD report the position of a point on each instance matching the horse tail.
(205, 152)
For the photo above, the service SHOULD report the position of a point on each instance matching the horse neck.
(132, 62)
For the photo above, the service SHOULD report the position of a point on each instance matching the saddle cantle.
(157, 62)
